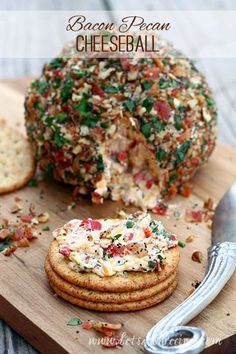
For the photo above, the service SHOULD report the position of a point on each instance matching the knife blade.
(221, 266)
(224, 220)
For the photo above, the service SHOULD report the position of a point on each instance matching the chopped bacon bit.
(156, 181)
(122, 157)
(186, 190)
(98, 91)
(173, 237)
(19, 234)
(98, 133)
(210, 145)
(90, 238)
(173, 191)
(130, 236)
(138, 177)
(86, 165)
(91, 225)
(96, 198)
(194, 216)
(163, 109)
(87, 325)
(148, 184)
(187, 123)
(176, 91)
(133, 144)
(58, 73)
(59, 155)
(160, 209)
(147, 232)
(151, 73)
(108, 330)
(26, 218)
(125, 63)
(46, 93)
(65, 108)
(194, 162)
(115, 250)
(28, 232)
(65, 250)
(184, 136)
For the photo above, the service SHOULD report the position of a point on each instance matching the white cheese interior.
(130, 180)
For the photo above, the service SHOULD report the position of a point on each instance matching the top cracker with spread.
(110, 246)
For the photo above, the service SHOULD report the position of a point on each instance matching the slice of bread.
(17, 164)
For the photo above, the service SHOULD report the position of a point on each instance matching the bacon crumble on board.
(18, 234)
(109, 338)
(205, 214)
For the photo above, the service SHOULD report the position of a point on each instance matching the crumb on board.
(71, 206)
(197, 256)
(15, 208)
(189, 239)
(14, 234)
(109, 338)
(196, 284)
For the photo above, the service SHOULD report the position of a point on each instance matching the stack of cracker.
(113, 265)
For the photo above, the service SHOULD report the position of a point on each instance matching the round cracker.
(16, 159)
(98, 296)
(128, 306)
(117, 283)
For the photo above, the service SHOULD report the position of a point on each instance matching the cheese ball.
(131, 129)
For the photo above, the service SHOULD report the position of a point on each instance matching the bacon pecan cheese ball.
(126, 129)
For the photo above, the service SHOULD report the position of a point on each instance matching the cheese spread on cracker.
(111, 246)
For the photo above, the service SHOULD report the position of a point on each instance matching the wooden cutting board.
(28, 305)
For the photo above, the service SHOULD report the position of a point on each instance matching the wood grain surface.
(28, 305)
(220, 73)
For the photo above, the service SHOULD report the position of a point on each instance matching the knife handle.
(166, 333)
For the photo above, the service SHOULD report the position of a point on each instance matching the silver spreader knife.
(170, 335)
